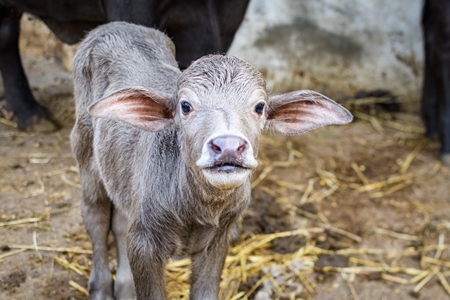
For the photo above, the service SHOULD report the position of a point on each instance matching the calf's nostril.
(215, 148)
(242, 148)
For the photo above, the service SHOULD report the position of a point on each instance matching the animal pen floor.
(346, 212)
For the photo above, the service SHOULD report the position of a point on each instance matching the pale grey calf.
(166, 157)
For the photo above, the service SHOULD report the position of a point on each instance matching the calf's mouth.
(228, 165)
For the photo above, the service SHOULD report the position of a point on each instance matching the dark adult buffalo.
(436, 88)
(197, 27)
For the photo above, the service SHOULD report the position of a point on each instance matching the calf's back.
(112, 58)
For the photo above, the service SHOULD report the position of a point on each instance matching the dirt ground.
(359, 211)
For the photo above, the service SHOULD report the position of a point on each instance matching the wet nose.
(228, 145)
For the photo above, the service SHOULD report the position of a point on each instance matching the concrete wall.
(337, 47)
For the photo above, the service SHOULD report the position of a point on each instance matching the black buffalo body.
(436, 88)
(197, 27)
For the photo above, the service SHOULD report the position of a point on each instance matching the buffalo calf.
(166, 157)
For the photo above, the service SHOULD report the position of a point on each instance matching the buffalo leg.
(430, 99)
(17, 91)
(445, 106)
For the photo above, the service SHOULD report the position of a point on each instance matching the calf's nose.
(228, 145)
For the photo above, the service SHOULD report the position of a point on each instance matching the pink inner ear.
(301, 111)
(294, 112)
(143, 109)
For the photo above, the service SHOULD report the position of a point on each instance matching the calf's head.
(220, 108)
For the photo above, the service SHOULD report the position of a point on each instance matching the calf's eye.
(185, 107)
(259, 108)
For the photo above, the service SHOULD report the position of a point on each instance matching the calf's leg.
(124, 285)
(148, 253)
(207, 265)
(96, 211)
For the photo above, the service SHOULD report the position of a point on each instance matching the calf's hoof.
(125, 293)
(100, 292)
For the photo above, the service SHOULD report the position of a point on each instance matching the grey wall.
(337, 47)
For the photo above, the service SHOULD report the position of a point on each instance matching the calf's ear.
(140, 107)
(301, 111)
